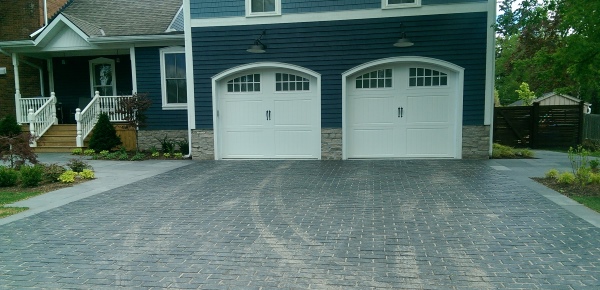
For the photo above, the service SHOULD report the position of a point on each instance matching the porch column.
(50, 68)
(133, 70)
(15, 61)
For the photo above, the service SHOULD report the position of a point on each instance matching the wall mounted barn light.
(403, 41)
(258, 46)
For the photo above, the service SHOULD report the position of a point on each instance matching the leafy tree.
(553, 45)
(104, 135)
(134, 109)
(525, 94)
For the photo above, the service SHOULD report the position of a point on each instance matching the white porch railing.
(26, 104)
(87, 118)
(42, 119)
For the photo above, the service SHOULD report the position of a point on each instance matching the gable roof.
(122, 17)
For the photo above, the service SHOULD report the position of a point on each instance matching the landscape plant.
(68, 176)
(78, 164)
(8, 176)
(52, 172)
(31, 176)
(104, 135)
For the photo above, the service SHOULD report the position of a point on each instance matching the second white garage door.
(269, 113)
(402, 110)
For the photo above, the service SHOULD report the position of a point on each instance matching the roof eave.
(136, 38)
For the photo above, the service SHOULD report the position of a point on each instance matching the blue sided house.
(92, 54)
(339, 79)
(273, 79)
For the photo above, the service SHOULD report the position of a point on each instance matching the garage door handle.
(400, 112)
(268, 113)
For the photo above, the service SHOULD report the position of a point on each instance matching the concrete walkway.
(364, 224)
(109, 175)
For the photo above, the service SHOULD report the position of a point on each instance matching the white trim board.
(344, 15)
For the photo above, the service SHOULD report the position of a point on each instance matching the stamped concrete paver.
(436, 224)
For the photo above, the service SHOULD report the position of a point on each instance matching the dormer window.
(263, 7)
(391, 4)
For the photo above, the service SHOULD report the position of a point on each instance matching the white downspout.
(45, 20)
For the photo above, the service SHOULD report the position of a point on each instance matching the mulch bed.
(568, 189)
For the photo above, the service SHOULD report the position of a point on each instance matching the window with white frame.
(263, 7)
(173, 78)
(390, 4)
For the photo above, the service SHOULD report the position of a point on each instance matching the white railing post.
(79, 138)
(31, 119)
(53, 108)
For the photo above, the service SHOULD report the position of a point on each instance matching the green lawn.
(11, 197)
(592, 202)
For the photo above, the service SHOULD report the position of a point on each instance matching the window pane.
(180, 64)
(278, 87)
(306, 86)
(443, 81)
(170, 66)
(182, 92)
(269, 5)
(171, 91)
(358, 84)
(103, 74)
(401, 1)
(257, 87)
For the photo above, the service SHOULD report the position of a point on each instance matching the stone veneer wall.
(203, 144)
(331, 143)
(476, 142)
(149, 138)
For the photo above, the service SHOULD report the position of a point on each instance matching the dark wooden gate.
(539, 126)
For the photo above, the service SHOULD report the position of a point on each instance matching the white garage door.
(269, 113)
(404, 110)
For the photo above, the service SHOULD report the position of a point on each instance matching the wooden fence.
(591, 127)
(127, 135)
(539, 126)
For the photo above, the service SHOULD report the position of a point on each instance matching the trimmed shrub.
(552, 173)
(77, 151)
(8, 176)
(9, 126)
(104, 135)
(31, 175)
(89, 152)
(566, 178)
(595, 178)
(52, 172)
(78, 165)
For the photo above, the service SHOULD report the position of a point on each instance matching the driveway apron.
(435, 224)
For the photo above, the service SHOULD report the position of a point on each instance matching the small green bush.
(104, 135)
(167, 145)
(31, 176)
(87, 174)
(566, 178)
(178, 155)
(184, 147)
(89, 152)
(77, 151)
(155, 154)
(506, 152)
(8, 176)
(52, 172)
(68, 176)
(594, 164)
(104, 153)
(552, 173)
(9, 126)
(78, 164)
(167, 155)
(122, 156)
(138, 156)
(595, 178)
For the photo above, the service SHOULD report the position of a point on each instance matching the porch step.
(59, 138)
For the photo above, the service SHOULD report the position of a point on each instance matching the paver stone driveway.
(436, 224)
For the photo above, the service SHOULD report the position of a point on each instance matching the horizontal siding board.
(231, 8)
(330, 48)
(148, 81)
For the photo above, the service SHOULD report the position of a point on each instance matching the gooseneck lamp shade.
(258, 46)
(403, 41)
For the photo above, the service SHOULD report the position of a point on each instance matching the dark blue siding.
(72, 82)
(148, 81)
(330, 48)
(230, 8)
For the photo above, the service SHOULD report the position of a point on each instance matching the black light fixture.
(403, 41)
(258, 46)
